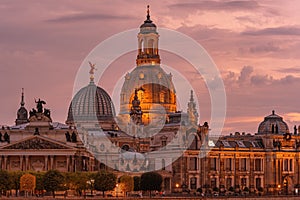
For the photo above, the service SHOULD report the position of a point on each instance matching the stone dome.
(273, 124)
(155, 88)
(91, 103)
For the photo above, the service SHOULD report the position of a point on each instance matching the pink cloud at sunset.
(255, 45)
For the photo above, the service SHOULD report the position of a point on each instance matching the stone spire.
(192, 111)
(22, 98)
(148, 15)
(22, 114)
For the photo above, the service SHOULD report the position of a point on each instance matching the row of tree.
(54, 180)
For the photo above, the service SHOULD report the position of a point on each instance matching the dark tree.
(14, 177)
(53, 180)
(105, 181)
(151, 181)
(136, 183)
(4, 182)
(39, 178)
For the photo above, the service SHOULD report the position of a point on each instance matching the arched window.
(151, 46)
(162, 97)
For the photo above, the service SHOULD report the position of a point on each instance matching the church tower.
(22, 114)
(156, 91)
(148, 43)
(192, 111)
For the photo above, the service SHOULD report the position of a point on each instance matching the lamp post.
(92, 186)
(117, 190)
(279, 188)
(91, 183)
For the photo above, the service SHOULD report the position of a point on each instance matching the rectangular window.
(243, 182)
(285, 165)
(193, 183)
(257, 164)
(258, 183)
(228, 164)
(228, 183)
(193, 163)
(291, 165)
(213, 183)
(243, 164)
(213, 164)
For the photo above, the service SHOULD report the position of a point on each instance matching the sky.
(254, 44)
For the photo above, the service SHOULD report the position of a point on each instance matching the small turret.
(192, 111)
(22, 114)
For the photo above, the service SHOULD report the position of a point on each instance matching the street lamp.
(279, 188)
(117, 189)
(91, 183)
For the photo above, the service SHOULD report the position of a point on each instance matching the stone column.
(280, 172)
(51, 162)
(26, 163)
(276, 172)
(5, 163)
(21, 163)
(298, 168)
(251, 177)
(68, 163)
(236, 170)
(73, 165)
(221, 170)
(1, 162)
(46, 163)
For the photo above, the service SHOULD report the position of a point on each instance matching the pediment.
(36, 143)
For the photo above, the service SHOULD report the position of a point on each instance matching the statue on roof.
(92, 70)
(136, 110)
(39, 105)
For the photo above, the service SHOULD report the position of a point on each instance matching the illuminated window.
(140, 95)
(142, 75)
(162, 97)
